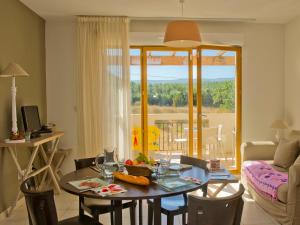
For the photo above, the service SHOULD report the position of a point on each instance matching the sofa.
(286, 209)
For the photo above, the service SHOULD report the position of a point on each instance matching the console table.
(36, 146)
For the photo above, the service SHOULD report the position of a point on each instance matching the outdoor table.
(134, 192)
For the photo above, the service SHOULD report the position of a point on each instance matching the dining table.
(135, 192)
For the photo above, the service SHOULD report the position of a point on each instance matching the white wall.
(61, 94)
(263, 70)
(292, 73)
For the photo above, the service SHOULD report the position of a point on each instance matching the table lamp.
(14, 70)
(279, 125)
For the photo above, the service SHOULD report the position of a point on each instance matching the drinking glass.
(110, 163)
(163, 167)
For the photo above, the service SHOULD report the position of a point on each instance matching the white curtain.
(103, 85)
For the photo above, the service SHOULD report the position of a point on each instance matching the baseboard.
(3, 215)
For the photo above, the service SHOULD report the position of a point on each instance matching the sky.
(181, 72)
(169, 73)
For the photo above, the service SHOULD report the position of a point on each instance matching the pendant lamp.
(182, 33)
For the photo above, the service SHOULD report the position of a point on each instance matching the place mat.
(179, 166)
(220, 175)
(110, 189)
(174, 184)
(88, 184)
(192, 179)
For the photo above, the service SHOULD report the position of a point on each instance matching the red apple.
(129, 162)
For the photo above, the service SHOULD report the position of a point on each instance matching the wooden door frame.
(238, 99)
(238, 96)
(144, 50)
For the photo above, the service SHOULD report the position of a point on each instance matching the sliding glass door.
(187, 101)
(168, 102)
(219, 91)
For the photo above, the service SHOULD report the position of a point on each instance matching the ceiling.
(269, 11)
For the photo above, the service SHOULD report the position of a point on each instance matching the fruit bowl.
(142, 170)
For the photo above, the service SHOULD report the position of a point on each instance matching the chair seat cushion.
(92, 202)
(85, 220)
(173, 203)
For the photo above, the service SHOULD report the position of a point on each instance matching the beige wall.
(61, 94)
(22, 40)
(292, 73)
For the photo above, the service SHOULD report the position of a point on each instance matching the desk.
(36, 145)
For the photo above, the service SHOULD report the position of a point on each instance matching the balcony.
(171, 130)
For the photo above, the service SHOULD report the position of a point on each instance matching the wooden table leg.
(156, 211)
(204, 190)
(24, 176)
(48, 162)
(140, 212)
(118, 212)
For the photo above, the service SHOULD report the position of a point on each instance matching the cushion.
(282, 193)
(94, 202)
(294, 135)
(297, 160)
(286, 153)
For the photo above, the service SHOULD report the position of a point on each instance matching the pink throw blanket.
(265, 178)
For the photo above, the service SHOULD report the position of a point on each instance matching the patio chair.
(41, 207)
(216, 211)
(176, 205)
(96, 207)
(210, 141)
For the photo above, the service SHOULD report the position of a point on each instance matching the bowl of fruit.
(141, 166)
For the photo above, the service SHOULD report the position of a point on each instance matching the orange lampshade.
(182, 34)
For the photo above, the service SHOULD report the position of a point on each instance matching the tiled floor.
(67, 206)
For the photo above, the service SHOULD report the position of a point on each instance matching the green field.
(217, 96)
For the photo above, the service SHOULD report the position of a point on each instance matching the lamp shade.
(14, 70)
(279, 124)
(182, 34)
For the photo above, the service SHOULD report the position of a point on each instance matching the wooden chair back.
(193, 161)
(40, 204)
(216, 211)
(86, 162)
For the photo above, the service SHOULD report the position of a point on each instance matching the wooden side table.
(227, 178)
(37, 146)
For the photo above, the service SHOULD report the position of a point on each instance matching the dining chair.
(96, 207)
(42, 210)
(176, 205)
(216, 211)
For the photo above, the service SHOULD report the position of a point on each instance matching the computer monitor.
(31, 118)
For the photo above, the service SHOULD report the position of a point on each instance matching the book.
(9, 141)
